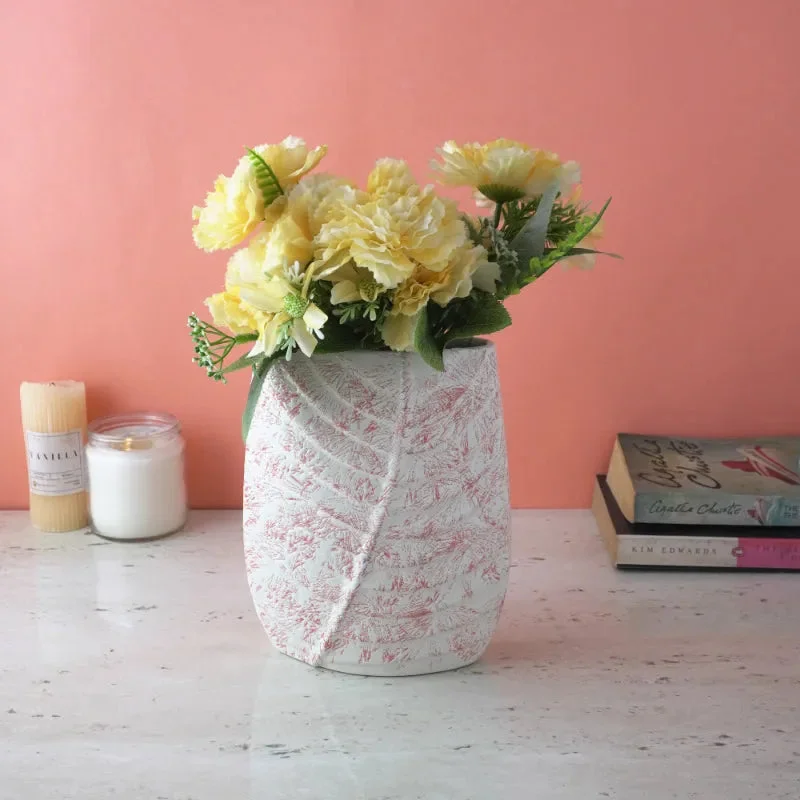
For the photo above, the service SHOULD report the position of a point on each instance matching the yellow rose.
(503, 170)
(392, 234)
(235, 206)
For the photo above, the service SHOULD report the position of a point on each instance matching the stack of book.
(701, 503)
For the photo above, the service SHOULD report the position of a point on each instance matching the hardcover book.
(671, 480)
(687, 546)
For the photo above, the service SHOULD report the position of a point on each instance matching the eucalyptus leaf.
(425, 343)
(530, 241)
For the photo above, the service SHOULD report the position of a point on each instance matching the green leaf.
(489, 317)
(245, 361)
(338, 338)
(585, 251)
(540, 265)
(259, 373)
(266, 179)
(425, 343)
(530, 241)
(597, 217)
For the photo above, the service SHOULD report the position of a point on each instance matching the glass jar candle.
(136, 481)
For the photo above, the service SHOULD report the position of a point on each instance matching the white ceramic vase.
(376, 517)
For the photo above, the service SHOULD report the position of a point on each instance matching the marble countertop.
(140, 672)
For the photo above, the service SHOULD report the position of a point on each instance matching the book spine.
(693, 508)
(728, 552)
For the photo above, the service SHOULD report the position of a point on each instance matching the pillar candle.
(54, 424)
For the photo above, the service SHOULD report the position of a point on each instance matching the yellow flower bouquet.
(326, 266)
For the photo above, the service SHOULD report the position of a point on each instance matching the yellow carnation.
(246, 265)
(469, 266)
(310, 204)
(392, 234)
(244, 273)
(289, 160)
(287, 243)
(397, 332)
(390, 176)
(455, 280)
(318, 198)
(232, 211)
(235, 206)
(503, 170)
(459, 274)
(229, 311)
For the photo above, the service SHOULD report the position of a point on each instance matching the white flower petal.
(315, 317)
(257, 350)
(486, 276)
(268, 297)
(303, 336)
(344, 292)
(269, 336)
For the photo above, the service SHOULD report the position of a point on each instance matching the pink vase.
(376, 517)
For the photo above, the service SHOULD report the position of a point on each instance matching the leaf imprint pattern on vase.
(377, 510)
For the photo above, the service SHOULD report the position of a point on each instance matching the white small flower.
(293, 273)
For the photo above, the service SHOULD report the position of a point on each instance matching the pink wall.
(116, 116)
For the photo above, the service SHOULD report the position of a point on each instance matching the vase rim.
(484, 344)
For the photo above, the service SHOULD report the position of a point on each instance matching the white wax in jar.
(137, 493)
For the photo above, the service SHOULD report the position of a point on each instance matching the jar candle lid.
(133, 431)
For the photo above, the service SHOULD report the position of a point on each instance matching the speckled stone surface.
(140, 671)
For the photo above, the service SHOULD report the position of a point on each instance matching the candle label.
(55, 463)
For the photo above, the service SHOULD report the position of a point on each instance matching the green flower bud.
(295, 306)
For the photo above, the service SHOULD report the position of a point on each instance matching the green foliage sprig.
(213, 346)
